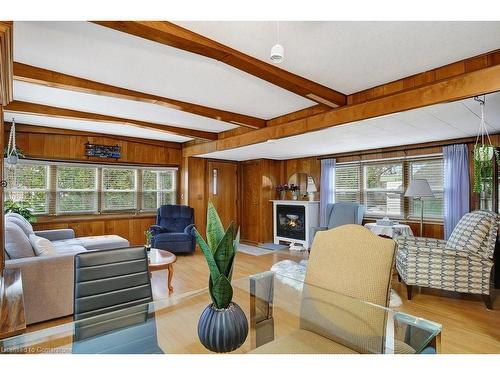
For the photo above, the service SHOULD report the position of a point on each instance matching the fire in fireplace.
(291, 221)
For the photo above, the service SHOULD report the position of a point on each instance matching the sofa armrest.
(47, 285)
(189, 229)
(56, 234)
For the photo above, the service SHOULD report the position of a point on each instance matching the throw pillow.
(42, 246)
(21, 222)
(17, 244)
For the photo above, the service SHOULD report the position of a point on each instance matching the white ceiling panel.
(353, 56)
(94, 127)
(101, 54)
(128, 109)
(434, 123)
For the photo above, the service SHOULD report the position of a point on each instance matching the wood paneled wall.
(64, 145)
(54, 144)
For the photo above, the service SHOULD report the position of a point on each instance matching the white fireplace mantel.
(311, 220)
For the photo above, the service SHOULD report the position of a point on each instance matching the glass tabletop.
(284, 315)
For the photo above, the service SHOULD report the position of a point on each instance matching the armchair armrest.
(189, 229)
(314, 230)
(156, 229)
(56, 234)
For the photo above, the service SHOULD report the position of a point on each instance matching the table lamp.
(418, 189)
(311, 189)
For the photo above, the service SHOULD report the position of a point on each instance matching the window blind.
(433, 171)
(76, 189)
(158, 187)
(28, 183)
(347, 182)
(383, 188)
(119, 188)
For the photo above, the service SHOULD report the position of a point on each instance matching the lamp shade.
(419, 188)
(311, 186)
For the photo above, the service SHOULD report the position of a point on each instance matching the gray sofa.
(48, 280)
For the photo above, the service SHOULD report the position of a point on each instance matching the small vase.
(282, 195)
(295, 195)
(222, 330)
(310, 196)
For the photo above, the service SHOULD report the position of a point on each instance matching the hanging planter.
(483, 156)
(12, 153)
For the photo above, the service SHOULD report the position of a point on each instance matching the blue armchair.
(172, 231)
(341, 213)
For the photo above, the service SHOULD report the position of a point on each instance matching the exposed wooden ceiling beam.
(481, 81)
(32, 74)
(49, 111)
(6, 59)
(175, 36)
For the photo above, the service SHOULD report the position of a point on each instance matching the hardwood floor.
(468, 327)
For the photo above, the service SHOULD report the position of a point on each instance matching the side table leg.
(170, 270)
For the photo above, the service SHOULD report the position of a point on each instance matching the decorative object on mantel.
(13, 153)
(281, 190)
(418, 189)
(222, 316)
(483, 158)
(311, 189)
(295, 189)
(103, 151)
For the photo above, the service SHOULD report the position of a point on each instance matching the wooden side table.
(12, 317)
(162, 260)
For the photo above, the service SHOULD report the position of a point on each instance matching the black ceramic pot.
(222, 330)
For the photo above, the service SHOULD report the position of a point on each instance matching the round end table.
(162, 260)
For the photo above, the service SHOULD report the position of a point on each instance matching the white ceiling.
(439, 122)
(95, 127)
(353, 56)
(128, 109)
(95, 52)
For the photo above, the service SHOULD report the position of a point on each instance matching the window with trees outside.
(51, 188)
(380, 186)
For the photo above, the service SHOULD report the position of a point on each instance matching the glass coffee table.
(279, 309)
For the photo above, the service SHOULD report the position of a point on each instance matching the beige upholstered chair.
(353, 262)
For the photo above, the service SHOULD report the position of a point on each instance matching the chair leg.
(488, 301)
(409, 292)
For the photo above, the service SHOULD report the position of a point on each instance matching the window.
(76, 189)
(383, 189)
(380, 186)
(28, 183)
(347, 183)
(158, 187)
(432, 171)
(72, 188)
(119, 187)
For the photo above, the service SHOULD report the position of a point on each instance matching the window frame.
(45, 190)
(410, 214)
(405, 201)
(159, 191)
(52, 190)
(366, 189)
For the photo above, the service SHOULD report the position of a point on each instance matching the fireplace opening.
(291, 221)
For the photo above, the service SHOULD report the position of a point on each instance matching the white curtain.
(327, 189)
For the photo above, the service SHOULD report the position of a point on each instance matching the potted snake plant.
(223, 326)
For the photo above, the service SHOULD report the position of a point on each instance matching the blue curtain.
(456, 185)
(326, 190)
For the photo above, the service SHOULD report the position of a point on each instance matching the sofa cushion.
(476, 232)
(173, 237)
(21, 222)
(17, 244)
(64, 247)
(106, 242)
(42, 246)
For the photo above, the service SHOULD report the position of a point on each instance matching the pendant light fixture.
(277, 52)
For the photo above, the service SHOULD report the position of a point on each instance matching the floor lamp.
(418, 189)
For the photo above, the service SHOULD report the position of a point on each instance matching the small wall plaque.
(103, 151)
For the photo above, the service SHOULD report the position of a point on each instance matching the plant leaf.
(221, 291)
(215, 230)
(236, 243)
(212, 265)
(224, 254)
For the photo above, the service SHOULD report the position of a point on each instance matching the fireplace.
(291, 221)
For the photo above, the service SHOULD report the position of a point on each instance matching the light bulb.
(277, 53)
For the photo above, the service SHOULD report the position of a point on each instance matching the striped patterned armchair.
(463, 264)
